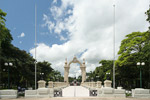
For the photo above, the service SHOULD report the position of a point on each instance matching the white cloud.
(90, 31)
(54, 1)
(21, 35)
(48, 23)
(63, 38)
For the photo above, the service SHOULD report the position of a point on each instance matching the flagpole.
(35, 48)
(114, 49)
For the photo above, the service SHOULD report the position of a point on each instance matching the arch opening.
(82, 68)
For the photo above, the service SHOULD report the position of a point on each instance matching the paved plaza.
(75, 91)
(79, 98)
(78, 93)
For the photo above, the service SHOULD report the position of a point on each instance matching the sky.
(68, 28)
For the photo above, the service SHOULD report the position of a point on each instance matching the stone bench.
(30, 93)
(8, 93)
(140, 93)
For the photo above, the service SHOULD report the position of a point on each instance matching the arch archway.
(67, 67)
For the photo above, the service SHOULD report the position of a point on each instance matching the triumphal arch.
(82, 67)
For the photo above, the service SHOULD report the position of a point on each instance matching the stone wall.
(43, 92)
(8, 94)
(141, 93)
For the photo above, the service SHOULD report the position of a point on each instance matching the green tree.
(99, 74)
(5, 38)
(22, 72)
(132, 50)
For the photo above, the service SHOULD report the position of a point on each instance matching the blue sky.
(21, 19)
(73, 27)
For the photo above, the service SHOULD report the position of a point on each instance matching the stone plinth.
(99, 84)
(41, 84)
(107, 83)
(45, 92)
(8, 94)
(40, 93)
(119, 87)
(106, 92)
(119, 92)
(140, 93)
(111, 92)
(50, 84)
(30, 93)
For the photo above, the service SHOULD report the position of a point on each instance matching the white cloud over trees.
(89, 28)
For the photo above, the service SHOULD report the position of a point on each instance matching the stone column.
(99, 84)
(90, 84)
(107, 83)
(83, 70)
(51, 88)
(66, 72)
(50, 84)
(41, 84)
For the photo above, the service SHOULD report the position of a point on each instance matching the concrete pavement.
(75, 91)
(79, 98)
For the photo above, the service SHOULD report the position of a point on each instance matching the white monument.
(82, 67)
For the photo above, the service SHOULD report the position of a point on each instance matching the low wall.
(8, 94)
(141, 93)
(40, 93)
(111, 92)
(30, 93)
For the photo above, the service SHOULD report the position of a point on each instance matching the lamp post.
(41, 75)
(8, 64)
(139, 64)
(107, 75)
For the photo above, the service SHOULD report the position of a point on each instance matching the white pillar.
(66, 72)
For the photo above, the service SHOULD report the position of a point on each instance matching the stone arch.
(82, 67)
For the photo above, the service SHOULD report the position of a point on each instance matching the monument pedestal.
(107, 83)
(99, 84)
(50, 84)
(107, 90)
(41, 84)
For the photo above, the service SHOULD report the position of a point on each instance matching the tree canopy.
(22, 72)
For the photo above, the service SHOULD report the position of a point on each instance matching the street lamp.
(139, 64)
(107, 75)
(41, 75)
(8, 64)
